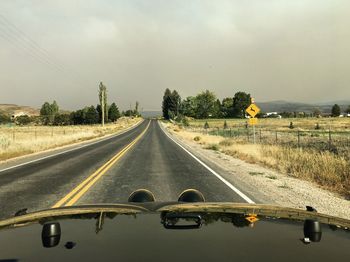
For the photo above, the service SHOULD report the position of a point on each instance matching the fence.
(318, 139)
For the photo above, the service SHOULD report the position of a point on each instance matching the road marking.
(76, 148)
(84, 186)
(236, 190)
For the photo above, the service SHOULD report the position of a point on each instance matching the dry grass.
(341, 124)
(329, 170)
(18, 141)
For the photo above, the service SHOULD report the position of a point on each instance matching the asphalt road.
(153, 161)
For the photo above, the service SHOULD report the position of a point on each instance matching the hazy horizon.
(296, 51)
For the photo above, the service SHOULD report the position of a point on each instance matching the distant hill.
(147, 114)
(281, 106)
(12, 109)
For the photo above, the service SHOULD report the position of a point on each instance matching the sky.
(273, 49)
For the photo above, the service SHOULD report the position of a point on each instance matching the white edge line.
(236, 190)
(69, 150)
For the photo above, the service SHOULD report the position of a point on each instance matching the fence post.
(260, 134)
(276, 137)
(248, 134)
(298, 138)
(329, 139)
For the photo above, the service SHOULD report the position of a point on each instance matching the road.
(108, 171)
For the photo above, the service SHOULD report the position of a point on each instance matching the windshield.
(195, 101)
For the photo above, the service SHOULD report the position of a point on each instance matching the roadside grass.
(327, 169)
(336, 124)
(214, 147)
(18, 141)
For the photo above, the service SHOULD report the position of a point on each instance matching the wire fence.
(318, 139)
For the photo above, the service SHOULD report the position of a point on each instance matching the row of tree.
(207, 105)
(50, 115)
(204, 105)
(89, 115)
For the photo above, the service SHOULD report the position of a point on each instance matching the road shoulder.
(265, 185)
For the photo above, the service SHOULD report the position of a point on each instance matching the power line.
(21, 40)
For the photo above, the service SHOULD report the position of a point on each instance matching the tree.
(99, 111)
(102, 94)
(62, 120)
(166, 103)
(336, 110)
(113, 112)
(45, 113)
(23, 120)
(241, 101)
(4, 118)
(54, 108)
(205, 104)
(48, 112)
(217, 109)
(78, 117)
(129, 112)
(136, 113)
(317, 112)
(348, 110)
(91, 115)
(227, 107)
(175, 102)
(188, 107)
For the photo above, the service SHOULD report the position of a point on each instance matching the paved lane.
(158, 164)
(108, 171)
(41, 184)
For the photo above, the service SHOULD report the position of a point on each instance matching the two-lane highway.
(108, 171)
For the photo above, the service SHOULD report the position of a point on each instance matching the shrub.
(206, 125)
(214, 147)
(291, 126)
(197, 138)
(23, 120)
(225, 125)
(185, 121)
(226, 142)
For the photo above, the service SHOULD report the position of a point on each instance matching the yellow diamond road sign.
(253, 121)
(253, 110)
(252, 218)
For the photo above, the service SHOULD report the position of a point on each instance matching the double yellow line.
(84, 186)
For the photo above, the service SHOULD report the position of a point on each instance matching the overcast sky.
(295, 50)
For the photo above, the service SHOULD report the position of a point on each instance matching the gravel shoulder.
(268, 186)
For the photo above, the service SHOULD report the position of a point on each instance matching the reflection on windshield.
(52, 232)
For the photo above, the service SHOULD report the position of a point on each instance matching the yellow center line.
(81, 189)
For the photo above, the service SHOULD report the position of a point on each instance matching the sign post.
(253, 110)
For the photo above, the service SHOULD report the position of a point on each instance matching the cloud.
(291, 50)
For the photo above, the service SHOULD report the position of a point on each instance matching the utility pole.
(103, 108)
(103, 101)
